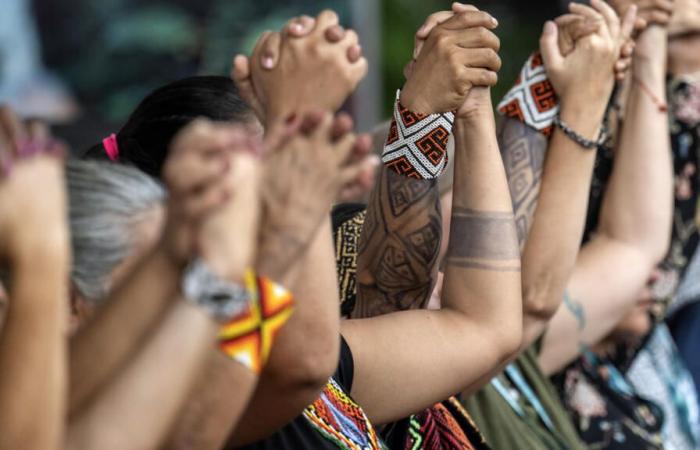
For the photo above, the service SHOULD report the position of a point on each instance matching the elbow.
(660, 248)
(306, 371)
(508, 342)
(540, 299)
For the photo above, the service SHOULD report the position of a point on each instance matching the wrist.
(413, 101)
(41, 250)
(476, 122)
(584, 116)
(279, 250)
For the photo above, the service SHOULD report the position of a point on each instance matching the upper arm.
(604, 287)
(405, 362)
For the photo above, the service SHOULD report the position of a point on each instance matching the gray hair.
(107, 201)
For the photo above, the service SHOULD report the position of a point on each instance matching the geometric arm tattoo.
(523, 151)
(399, 245)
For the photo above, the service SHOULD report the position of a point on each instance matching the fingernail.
(549, 27)
(422, 29)
(494, 21)
(374, 160)
(267, 62)
(297, 27)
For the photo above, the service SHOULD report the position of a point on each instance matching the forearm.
(32, 357)
(403, 227)
(305, 354)
(482, 271)
(129, 314)
(637, 209)
(215, 406)
(481, 301)
(550, 250)
(523, 150)
(400, 241)
(139, 405)
(634, 224)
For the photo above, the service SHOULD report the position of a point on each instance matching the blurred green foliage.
(113, 52)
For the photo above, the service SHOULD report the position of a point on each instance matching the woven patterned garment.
(532, 99)
(347, 241)
(607, 411)
(417, 143)
(337, 417)
(445, 426)
(249, 337)
(658, 374)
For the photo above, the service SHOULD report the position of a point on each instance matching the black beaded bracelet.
(580, 140)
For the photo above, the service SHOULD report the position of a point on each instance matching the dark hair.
(144, 140)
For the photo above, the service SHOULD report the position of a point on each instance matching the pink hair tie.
(111, 147)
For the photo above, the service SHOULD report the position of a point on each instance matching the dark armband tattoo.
(483, 240)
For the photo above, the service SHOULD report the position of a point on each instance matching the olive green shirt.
(505, 429)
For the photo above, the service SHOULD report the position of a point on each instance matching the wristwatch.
(222, 299)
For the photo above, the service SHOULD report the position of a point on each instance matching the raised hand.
(651, 12)
(302, 74)
(205, 163)
(32, 194)
(574, 27)
(584, 71)
(462, 45)
(307, 164)
(297, 27)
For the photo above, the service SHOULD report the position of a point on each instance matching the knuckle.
(457, 61)
(495, 42)
(352, 36)
(482, 35)
(442, 38)
(496, 62)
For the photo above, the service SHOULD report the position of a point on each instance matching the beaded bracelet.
(577, 138)
(417, 143)
(248, 338)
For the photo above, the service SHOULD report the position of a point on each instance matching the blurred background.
(83, 65)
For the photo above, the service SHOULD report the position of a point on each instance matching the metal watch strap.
(221, 298)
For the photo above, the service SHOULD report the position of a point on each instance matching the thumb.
(549, 45)
(243, 79)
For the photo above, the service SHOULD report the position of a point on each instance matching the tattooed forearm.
(523, 150)
(483, 240)
(399, 245)
(575, 308)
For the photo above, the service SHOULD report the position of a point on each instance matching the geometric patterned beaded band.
(249, 338)
(417, 143)
(532, 100)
